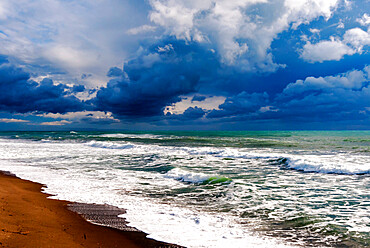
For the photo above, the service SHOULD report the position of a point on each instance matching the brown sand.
(29, 219)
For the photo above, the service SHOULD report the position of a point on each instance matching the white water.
(339, 163)
(74, 172)
(91, 173)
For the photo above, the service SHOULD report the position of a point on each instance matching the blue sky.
(184, 64)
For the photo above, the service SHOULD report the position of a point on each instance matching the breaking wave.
(196, 178)
(342, 163)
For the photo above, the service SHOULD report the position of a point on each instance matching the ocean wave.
(196, 178)
(338, 163)
(110, 145)
(131, 136)
(162, 184)
(329, 166)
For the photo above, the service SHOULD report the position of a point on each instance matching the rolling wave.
(196, 178)
(329, 163)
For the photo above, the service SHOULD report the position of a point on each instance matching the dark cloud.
(198, 98)
(315, 99)
(92, 91)
(78, 88)
(156, 78)
(165, 72)
(3, 59)
(191, 113)
(344, 96)
(98, 121)
(85, 76)
(20, 94)
(241, 104)
(115, 72)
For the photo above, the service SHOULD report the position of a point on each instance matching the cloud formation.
(12, 120)
(353, 41)
(184, 61)
(364, 20)
(55, 123)
(22, 95)
(155, 79)
(240, 31)
(85, 117)
(190, 114)
(241, 104)
(332, 98)
(72, 37)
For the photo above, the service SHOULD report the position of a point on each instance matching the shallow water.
(209, 189)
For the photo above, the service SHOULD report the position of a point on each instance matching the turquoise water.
(347, 140)
(307, 188)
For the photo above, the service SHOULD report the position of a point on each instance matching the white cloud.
(268, 109)
(71, 58)
(55, 123)
(357, 38)
(351, 80)
(210, 103)
(179, 16)
(365, 20)
(141, 29)
(166, 48)
(314, 30)
(303, 11)
(344, 94)
(90, 116)
(353, 41)
(72, 37)
(6, 120)
(325, 50)
(340, 25)
(3, 10)
(242, 30)
(348, 4)
(89, 37)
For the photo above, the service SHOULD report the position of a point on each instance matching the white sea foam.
(89, 172)
(163, 222)
(110, 145)
(131, 136)
(194, 177)
(342, 163)
(82, 180)
(338, 164)
(187, 176)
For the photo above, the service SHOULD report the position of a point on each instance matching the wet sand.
(29, 219)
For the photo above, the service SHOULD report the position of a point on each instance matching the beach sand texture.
(29, 219)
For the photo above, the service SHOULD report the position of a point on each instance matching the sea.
(211, 188)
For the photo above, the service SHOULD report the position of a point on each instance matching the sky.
(184, 65)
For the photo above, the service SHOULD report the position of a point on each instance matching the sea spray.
(234, 188)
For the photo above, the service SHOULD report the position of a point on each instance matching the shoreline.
(30, 219)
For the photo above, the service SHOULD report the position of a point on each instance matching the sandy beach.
(29, 219)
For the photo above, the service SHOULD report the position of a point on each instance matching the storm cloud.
(21, 94)
(156, 78)
(214, 63)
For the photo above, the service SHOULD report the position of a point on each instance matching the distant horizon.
(182, 130)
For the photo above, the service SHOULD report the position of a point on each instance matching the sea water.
(211, 189)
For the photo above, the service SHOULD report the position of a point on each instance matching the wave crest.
(110, 145)
(196, 178)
